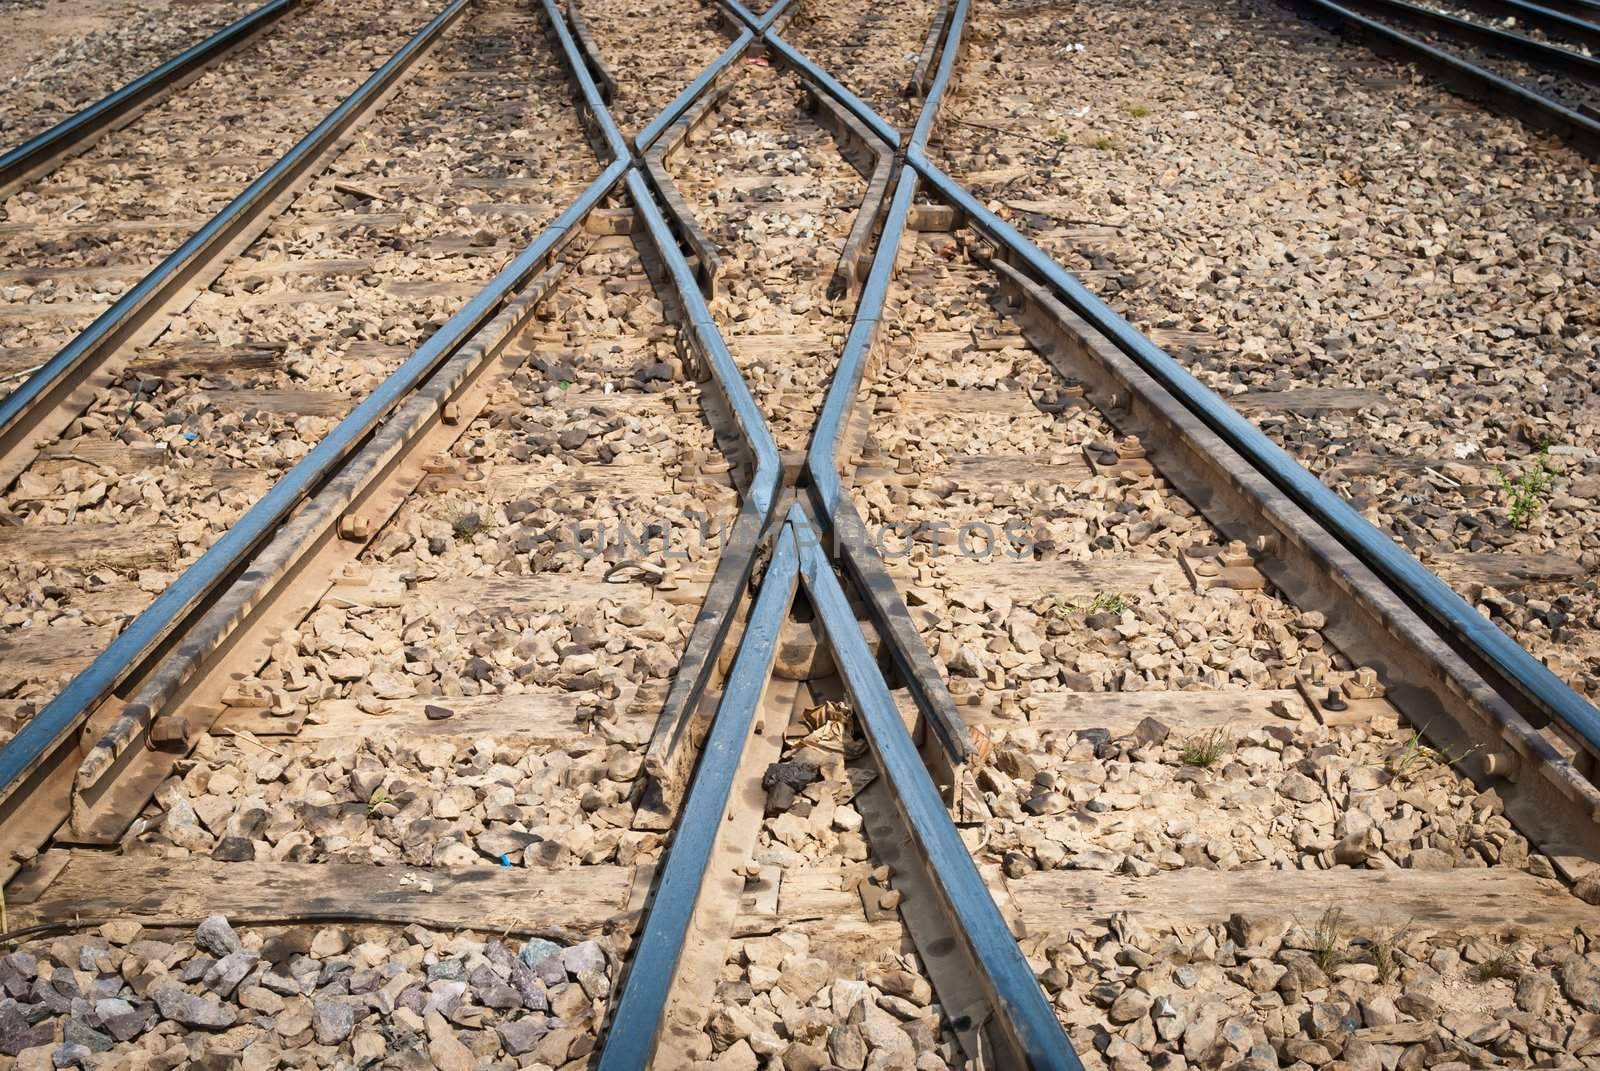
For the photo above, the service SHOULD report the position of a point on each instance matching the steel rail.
(819, 77)
(1468, 79)
(823, 458)
(1516, 673)
(23, 411)
(838, 513)
(45, 150)
(1539, 693)
(103, 784)
(1583, 10)
(616, 144)
(636, 1025)
(134, 646)
(691, 92)
(591, 52)
(648, 146)
(24, 757)
(1525, 681)
(1549, 16)
(224, 558)
(1515, 45)
(922, 74)
(1027, 1025)
(666, 758)
(737, 561)
(646, 138)
(866, 568)
(942, 76)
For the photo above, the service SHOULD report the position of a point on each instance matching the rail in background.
(41, 405)
(1518, 46)
(1462, 76)
(1567, 22)
(45, 150)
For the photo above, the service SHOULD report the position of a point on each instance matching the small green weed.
(1111, 602)
(376, 800)
(1528, 491)
(466, 518)
(1136, 109)
(1382, 948)
(1329, 941)
(1414, 757)
(1105, 143)
(1504, 965)
(1103, 602)
(1204, 750)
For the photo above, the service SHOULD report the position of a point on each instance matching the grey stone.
(528, 986)
(234, 850)
(184, 1007)
(449, 970)
(444, 997)
(77, 1032)
(14, 982)
(333, 1020)
(1130, 1005)
(1430, 859)
(17, 1033)
(847, 1047)
(1534, 992)
(216, 936)
(226, 974)
(57, 994)
(283, 984)
(520, 1037)
(1151, 731)
(68, 1054)
(90, 952)
(195, 968)
(1580, 982)
(1332, 1017)
(1257, 931)
(492, 991)
(1300, 788)
(586, 956)
(882, 1031)
(596, 984)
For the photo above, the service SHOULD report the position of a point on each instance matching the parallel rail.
(1577, 22)
(42, 152)
(1516, 45)
(1462, 76)
(42, 405)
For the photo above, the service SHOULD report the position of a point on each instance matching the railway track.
(722, 596)
(59, 66)
(1531, 62)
